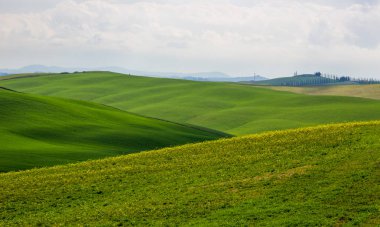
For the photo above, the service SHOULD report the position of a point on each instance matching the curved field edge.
(38, 131)
(232, 108)
(327, 175)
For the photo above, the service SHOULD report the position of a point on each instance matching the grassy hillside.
(233, 108)
(321, 176)
(364, 91)
(39, 131)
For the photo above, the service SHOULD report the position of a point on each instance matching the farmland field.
(232, 108)
(324, 176)
(364, 91)
(40, 131)
(189, 113)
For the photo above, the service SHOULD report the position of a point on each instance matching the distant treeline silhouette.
(325, 79)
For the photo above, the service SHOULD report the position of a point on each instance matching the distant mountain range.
(225, 78)
(201, 76)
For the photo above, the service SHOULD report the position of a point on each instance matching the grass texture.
(40, 131)
(232, 108)
(322, 176)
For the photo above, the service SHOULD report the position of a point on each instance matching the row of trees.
(351, 79)
(325, 79)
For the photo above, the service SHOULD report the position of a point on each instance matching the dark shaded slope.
(42, 131)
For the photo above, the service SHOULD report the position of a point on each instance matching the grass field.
(323, 176)
(43, 131)
(364, 91)
(232, 108)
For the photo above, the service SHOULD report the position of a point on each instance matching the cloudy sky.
(239, 37)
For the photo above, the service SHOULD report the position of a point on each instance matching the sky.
(239, 37)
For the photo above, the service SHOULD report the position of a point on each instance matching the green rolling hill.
(233, 108)
(40, 131)
(322, 176)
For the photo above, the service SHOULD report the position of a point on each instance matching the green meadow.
(173, 113)
(38, 131)
(64, 131)
(232, 108)
(321, 176)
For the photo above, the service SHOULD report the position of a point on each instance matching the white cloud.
(270, 37)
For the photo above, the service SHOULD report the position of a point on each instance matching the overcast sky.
(239, 37)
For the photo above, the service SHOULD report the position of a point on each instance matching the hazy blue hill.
(199, 76)
(300, 80)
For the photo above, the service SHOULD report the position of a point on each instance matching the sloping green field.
(232, 108)
(43, 131)
(321, 176)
